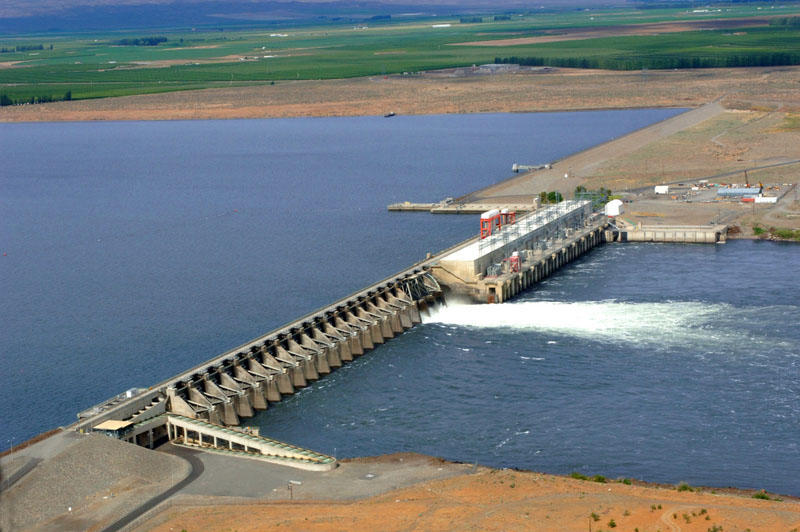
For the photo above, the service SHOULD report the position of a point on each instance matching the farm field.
(45, 67)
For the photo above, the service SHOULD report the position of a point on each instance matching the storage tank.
(613, 208)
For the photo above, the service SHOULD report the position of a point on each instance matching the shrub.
(763, 495)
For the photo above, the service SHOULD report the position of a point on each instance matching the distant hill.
(18, 16)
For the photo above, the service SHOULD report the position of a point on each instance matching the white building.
(613, 208)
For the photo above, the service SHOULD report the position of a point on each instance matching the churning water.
(657, 361)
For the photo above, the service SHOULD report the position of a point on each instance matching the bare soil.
(530, 90)
(491, 499)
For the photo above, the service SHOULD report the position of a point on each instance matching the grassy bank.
(777, 233)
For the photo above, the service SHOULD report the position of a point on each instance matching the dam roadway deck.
(233, 385)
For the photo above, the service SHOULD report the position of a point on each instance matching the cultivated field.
(44, 67)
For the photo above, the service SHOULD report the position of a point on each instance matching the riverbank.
(489, 499)
(707, 145)
(175, 488)
(752, 125)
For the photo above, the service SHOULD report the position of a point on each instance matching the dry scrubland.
(730, 142)
(560, 89)
(499, 500)
(765, 143)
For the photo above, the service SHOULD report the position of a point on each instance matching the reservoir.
(136, 250)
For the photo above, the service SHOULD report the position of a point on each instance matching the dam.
(205, 406)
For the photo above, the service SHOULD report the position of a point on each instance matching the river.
(134, 250)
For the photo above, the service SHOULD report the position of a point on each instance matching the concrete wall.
(500, 246)
(688, 234)
(535, 266)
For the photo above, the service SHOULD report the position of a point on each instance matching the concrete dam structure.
(511, 257)
(211, 399)
(704, 234)
(204, 406)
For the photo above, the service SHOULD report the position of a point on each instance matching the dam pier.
(512, 254)
(203, 406)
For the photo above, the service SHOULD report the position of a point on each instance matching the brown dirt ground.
(497, 500)
(527, 91)
(575, 34)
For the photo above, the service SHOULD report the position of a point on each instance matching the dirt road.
(566, 174)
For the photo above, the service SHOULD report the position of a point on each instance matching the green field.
(96, 65)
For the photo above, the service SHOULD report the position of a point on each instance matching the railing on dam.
(208, 436)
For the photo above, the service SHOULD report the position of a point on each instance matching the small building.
(766, 199)
(661, 189)
(114, 428)
(498, 68)
(613, 208)
(738, 192)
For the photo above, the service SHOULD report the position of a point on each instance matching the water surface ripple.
(656, 361)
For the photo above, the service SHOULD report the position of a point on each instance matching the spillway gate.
(235, 385)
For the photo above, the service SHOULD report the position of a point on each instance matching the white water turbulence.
(665, 324)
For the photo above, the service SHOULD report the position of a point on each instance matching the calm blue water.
(135, 250)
